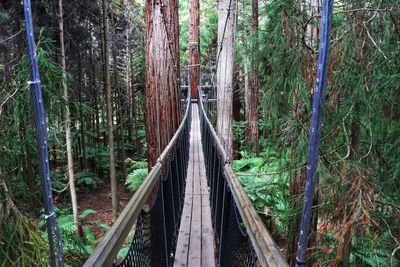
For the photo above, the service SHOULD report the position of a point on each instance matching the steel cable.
(315, 131)
(56, 259)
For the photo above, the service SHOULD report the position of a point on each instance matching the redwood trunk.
(162, 76)
(194, 48)
(254, 93)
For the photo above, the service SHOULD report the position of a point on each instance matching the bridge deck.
(195, 241)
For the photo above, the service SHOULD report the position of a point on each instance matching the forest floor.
(100, 201)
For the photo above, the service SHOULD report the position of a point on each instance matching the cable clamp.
(33, 82)
(46, 216)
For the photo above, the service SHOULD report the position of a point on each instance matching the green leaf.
(86, 213)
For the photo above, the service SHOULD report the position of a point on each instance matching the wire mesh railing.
(155, 223)
(241, 238)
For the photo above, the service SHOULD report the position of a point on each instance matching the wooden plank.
(195, 234)
(189, 178)
(182, 248)
(203, 175)
(195, 241)
(207, 239)
(196, 163)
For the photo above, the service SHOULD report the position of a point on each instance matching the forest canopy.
(94, 87)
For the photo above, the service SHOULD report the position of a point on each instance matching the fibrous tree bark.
(107, 89)
(252, 95)
(236, 106)
(194, 47)
(162, 76)
(225, 59)
(70, 162)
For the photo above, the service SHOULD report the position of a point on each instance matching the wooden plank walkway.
(195, 240)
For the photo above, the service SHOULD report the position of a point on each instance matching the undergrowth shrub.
(137, 174)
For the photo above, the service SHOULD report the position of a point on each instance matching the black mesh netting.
(138, 253)
(235, 247)
(154, 240)
(148, 244)
(232, 244)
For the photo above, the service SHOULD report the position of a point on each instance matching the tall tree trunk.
(129, 91)
(81, 116)
(162, 75)
(194, 48)
(246, 91)
(107, 88)
(70, 162)
(236, 109)
(96, 108)
(116, 98)
(253, 94)
(225, 58)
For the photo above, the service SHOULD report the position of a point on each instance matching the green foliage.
(87, 180)
(184, 30)
(76, 248)
(84, 181)
(86, 213)
(363, 89)
(238, 132)
(251, 165)
(18, 155)
(3, 16)
(138, 171)
(266, 186)
(20, 240)
(17, 120)
(99, 154)
(137, 165)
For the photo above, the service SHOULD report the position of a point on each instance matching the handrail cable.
(267, 252)
(108, 248)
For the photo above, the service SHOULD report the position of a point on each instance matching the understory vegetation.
(357, 206)
(23, 236)
(356, 219)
